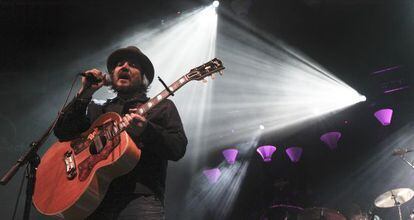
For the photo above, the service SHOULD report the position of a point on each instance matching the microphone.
(94, 80)
(401, 151)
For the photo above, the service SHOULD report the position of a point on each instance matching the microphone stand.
(33, 160)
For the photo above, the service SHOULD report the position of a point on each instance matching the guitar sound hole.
(92, 149)
(97, 145)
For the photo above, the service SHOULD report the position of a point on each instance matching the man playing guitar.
(159, 135)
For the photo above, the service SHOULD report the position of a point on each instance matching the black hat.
(134, 54)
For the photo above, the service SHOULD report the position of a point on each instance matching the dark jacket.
(163, 139)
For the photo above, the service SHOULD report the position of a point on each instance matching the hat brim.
(134, 54)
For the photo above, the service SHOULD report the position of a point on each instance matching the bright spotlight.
(261, 127)
(363, 98)
(216, 4)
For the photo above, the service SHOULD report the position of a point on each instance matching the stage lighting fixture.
(216, 4)
(261, 127)
(363, 98)
(266, 152)
(294, 153)
(230, 155)
(212, 174)
(331, 139)
(384, 116)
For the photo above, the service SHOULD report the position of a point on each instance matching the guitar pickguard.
(86, 166)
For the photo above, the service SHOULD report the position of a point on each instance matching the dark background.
(350, 38)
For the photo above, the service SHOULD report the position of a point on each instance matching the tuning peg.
(221, 72)
(204, 81)
(213, 76)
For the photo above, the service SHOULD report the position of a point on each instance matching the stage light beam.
(268, 83)
(216, 4)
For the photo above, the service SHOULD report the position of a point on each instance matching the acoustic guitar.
(73, 176)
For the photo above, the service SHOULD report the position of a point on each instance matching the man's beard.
(135, 87)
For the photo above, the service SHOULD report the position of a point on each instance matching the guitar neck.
(143, 109)
(198, 73)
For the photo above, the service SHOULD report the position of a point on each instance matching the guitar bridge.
(70, 165)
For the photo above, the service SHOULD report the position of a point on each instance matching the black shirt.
(163, 139)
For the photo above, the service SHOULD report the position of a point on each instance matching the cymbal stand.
(399, 211)
(406, 161)
(397, 204)
(402, 156)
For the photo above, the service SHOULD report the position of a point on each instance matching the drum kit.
(391, 199)
(292, 212)
(394, 198)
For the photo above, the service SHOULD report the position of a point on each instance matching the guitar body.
(73, 176)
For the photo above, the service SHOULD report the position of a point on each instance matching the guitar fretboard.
(143, 109)
(117, 128)
(198, 73)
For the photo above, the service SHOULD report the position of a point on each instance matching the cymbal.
(394, 198)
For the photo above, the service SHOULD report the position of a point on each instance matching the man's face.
(126, 77)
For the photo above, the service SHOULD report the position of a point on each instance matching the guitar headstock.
(207, 69)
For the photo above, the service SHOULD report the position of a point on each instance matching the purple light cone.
(266, 152)
(331, 139)
(230, 155)
(384, 116)
(212, 174)
(294, 153)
